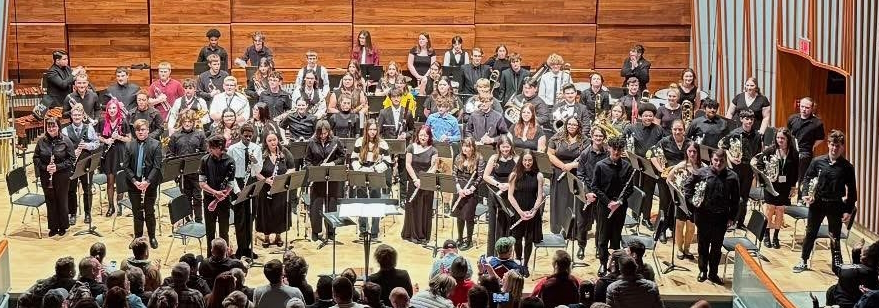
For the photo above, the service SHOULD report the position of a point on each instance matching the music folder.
(366, 207)
(577, 187)
(248, 192)
(543, 164)
(84, 166)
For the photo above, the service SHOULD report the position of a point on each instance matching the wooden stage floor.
(33, 258)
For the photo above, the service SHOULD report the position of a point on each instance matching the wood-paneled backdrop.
(103, 34)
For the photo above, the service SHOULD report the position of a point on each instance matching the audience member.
(117, 297)
(636, 249)
(237, 299)
(55, 298)
(224, 285)
(140, 249)
(136, 281)
(493, 285)
(478, 297)
(218, 262)
(600, 305)
(513, 285)
(853, 277)
(120, 279)
(324, 293)
(449, 254)
(613, 273)
(532, 302)
(276, 293)
(352, 276)
(165, 297)
(65, 271)
(632, 290)
(372, 293)
(388, 276)
(89, 271)
(99, 251)
(458, 271)
(343, 293)
(240, 282)
(399, 298)
(187, 297)
(587, 295)
(295, 303)
(560, 288)
(87, 303)
(504, 261)
(195, 282)
(296, 272)
(701, 304)
(437, 296)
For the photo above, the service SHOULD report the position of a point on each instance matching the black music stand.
(364, 208)
(85, 167)
(543, 163)
(246, 195)
(199, 67)
(375, 103)
(643, 165)
(682, 206)
(579, 189)
(284, 183)
(328, 174)
(368, 180)
(454, 73)
(437, 183)
(705, 152)
(396, 147)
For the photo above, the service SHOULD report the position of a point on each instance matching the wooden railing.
(764, 279)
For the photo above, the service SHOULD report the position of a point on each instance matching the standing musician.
(512, 79)
(310, 93)
(748, 142)
(779, 162)
(396, 122)
(593, 153)
(388, 80)
(716, 211)
(189, 101)
(421, 157)
(551, 82)
(754, 101)
(456, 56)
(671, 111)
(272, 211)
(84, 97)
(278, 101)
(345, 122)
(370, 154)
(631, 101)
(526, 197)
(189, 139)
(227, 128)
(122, 89)
(322, 79)
(299, 124)
(217, 180)
(543, 111)
(364, 51)
(230, 99)
(527, 134)
(467, 168)
(165, 90)
(246, 153)
(259, 82)
(807, 130)
(834, 194)
(60, 77)
(54, 160)
(406, 98)
(145, 112)
(85, 142)
(324, 149)
(708, 129)
(256, 52)
(596, 89)
(689, 88)
(674, 148)
(569, 107)
(636, 66)
(143, 171)
(485, 124)
(497, 174)
(611, 185)
(263, 124)
(443, 124)
(684, 228)
(640, 137)
(210, 82)
(114, 133)
(473, 72)
(564, 149)
(213, 48)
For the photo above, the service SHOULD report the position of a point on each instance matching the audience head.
(324, 287)
(442, 285)
(239, 275)
(88, 268)
(274, 271)
(372, 293)
(386, 256)
(870, 256)
(587, 292)
(191, 260)
(343, 290)
(636, 250)
(531, 302)
(613, 264)
(224, 285)
(140, 248)
(117, 279)
(458, 269)
(99, 251)
(478, 297)
(164, 297)
(55, 298)
(219, 248)
(295, 303)
(65, 268)
(350, 274)
(600, 305)
(561, 262)
(180, 274)
(116, 297)
(236, 299)
(628, 267)
(136, 279)
(504, 247)
(295, 269)
(87, 303)
(490, 283)
(399, 298)
(514, 284)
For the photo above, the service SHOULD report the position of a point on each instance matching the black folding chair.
(16, 180)
(180, 209)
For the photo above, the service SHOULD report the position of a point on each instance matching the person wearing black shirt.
(185, 141)
(750, 142)
(395, 122)
(54, 159)
(674, 150)
(596, 90)
(636, 66)
(217, 180)
(543, 112)
(589, 158)
(466, 167)
(256, 52)
(324, 149)
(708, 129)
(570, 107)
(835, 194)
(781, 156)
(278, 101)
(485, 124)
(83, 96)
(473, 71)
(512, 79)
(631, 101)
(149, 114)
(210, 82)
(754, 101)
(214, 48)
(611, 185)
(640, 137)
(862, 273)
(719, 188)
(60, 78)
(808, 130)
(143, 171)
(501, 60)
(345, 123)
(122, 89)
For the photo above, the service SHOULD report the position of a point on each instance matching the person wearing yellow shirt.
(407, 100)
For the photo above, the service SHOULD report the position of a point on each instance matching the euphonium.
(512, 110)
(687, 113)
(601, 119)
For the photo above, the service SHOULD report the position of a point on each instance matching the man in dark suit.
(60, 77)
(143, 169)
(395, 122)
(473, 71)
(512, 79)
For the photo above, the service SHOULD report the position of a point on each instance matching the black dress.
(466, 208)
(562, 200)
(787, 167)
(757, 107)
(421, 63)
(526, 195)
(529, 143)
(273, 214)
(499, 221)
(689, 96)
(112, 160)
(417, 219)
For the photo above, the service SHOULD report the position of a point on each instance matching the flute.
(562, 176)
(469, 182)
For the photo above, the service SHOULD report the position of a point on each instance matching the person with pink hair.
(113, 133)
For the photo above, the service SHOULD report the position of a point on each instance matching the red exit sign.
(804, 45)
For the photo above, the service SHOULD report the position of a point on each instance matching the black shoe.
(87, 219)
(253, 255)
(154, 244)
(525, 273)
(110, 211)
(776, 244)
(702, 277)
(53, 233)
(466, 246)
(71, 220)
(581, 253)
(314, 238)
(663, 238)
(689, 256)
(767, 242)
(716, 279)
(602, 271)
(62, 232)
(649, 225)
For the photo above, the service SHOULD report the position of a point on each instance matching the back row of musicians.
(241, 140)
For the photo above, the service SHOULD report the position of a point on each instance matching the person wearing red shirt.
(458, 270)
(165, 90)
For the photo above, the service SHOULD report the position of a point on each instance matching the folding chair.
(824, 230)
(756, 226)
(797, 213)
(181, 208)
(16, 180)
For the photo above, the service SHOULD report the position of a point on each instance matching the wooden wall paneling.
(290, 11)
(536, 11)
(103, 77)
(108, 45)
(29, 50)
(190, 11)
(575, 43)
(414, 12)
(665, 46)
(644, 12)
(36, 11)
(289, 42)
(179, 44)
(659, 78)
(101, 12)
(394, 41)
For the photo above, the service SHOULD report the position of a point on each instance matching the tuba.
(560, 96)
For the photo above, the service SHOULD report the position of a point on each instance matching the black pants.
(219, 216)
(817, 211)
(610, 230)
(72, 203)
(189, 187)
(243, 226)
(805, 160)
(585, 218)
(318, 195)
(666, 207)
(712, 228)
(648, 185)
(143, 213)
(56, 200)
(746, 176)
(364, 222)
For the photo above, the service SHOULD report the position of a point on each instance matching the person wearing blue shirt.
(444, 125)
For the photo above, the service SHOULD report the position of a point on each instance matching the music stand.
(85, 167)
(437, 183)
(250, 71)
(348, 143)
(764, 182)
(285, 183)
(446, 149)
(199, 67)
(366, 70)
(369, 181)
(297, 149)
(543, 164)
(454, 73)
(705, 152)
(579, 190)
(246, 195)
(375, 103)
(327, 174)
(364, 208)
(646, 167)
(682, 206)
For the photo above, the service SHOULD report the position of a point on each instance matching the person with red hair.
(113, 133)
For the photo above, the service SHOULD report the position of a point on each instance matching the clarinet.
(51, 162)
(115, 130)
(225, 187)
(278, 161)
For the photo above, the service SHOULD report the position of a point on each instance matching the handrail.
(752, 264)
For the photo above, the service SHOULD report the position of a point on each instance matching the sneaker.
(801, 267)
(71, 220)
(87, 219)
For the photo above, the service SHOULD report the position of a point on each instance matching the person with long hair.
(421, 157)
(527, 134)
(186, 140)
(346, 122)
(364, 51)
(496, 175)
(564, 148)
(596, 90)
(589, 158)
(611, 185)
(513, 284)
(542, 111)
(433, 75)
(467, 166)
(751, 99)
(617, 118)
(456, 56)
(560, 288)
(442, 90)
(420, 57)
(54, 160)
(690, 89)
(782, 157)
(323, 149)
(500, 61)
(685, 229)
(259, 83)
(114, 133)
(227, 127)
(224, 285)
(348, 86)
(263, 124)
(272, 211)
(674, 148)
(310, 92)
(388, 80)
(370, 154)
(353, 68)
(526, 197)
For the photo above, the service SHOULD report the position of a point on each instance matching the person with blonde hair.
(437, 296)
(163, 92)
(552, 81)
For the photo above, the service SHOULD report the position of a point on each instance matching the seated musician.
(407, 100)
(596, 90)
(512, 79)
(551, 82)
(277, 100)
(443, 124)
(389, 80)
(165, 90)
(210, 82)
(189, 101)
(636, 66)
(149, 114)
(442, 91)
(708, 129)
(84, 97)
(500, 61)
(256, 52)
(345, 122)
(213, 48)
(259, 82)
(473, 72)
(543, 111)
(320, 72)
(300, 124)
(230, 99)
(122, 89)
(485, 125)
(348, 87)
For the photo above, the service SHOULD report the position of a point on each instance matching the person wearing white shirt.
(247, 157)
(551, 82)
(456, 56)
(231, 100)
(189, 101)
(323, 82)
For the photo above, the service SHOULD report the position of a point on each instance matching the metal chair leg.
(8, 218)
(39, 224)
(170, 246)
